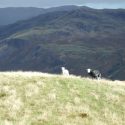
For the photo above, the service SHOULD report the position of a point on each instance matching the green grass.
(30, 33)
(29, 98)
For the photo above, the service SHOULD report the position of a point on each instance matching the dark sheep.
(94, 73)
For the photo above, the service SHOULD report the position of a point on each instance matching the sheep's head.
(63, 68)
(88, 70)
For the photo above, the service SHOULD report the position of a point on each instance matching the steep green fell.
(77, 39)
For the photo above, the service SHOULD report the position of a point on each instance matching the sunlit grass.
(34, 98)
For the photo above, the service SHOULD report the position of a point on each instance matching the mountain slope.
(30, 98)
(78, 39)
(13, 14)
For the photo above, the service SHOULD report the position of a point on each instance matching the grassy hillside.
(29, 98)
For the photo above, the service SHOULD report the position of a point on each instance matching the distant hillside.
(13, 14)
(31, 98)
(77, 39)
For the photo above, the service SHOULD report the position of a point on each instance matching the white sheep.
(65, 71)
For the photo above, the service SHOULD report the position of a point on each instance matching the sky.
(99, 4)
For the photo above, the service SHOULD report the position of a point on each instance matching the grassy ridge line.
(33, 98)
